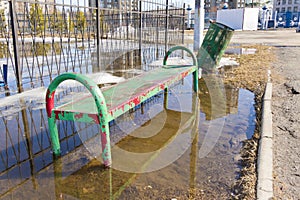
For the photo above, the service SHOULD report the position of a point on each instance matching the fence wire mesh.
(41, 39)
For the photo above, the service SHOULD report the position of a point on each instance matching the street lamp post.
(199, 24)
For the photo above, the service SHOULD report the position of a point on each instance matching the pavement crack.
(291, 132)
(283, 128)
(297, 175)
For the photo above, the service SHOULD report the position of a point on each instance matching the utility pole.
(199, 24)
(189, 19)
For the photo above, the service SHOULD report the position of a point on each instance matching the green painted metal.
(100, 103)
(171, 50)
(214, 44)
(54, 135)
(126, 95)
(103, 106)
(195, 63)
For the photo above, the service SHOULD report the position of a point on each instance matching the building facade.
(214, 5)
(129, 4)
(4, 7)
(22, 7)
(282, 6)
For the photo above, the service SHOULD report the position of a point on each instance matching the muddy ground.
(282, 55)
(286, 127)
(278, 51)
(251, 74)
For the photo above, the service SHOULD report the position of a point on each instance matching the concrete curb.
(264, 186)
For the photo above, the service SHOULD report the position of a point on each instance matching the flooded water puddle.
(185, 147)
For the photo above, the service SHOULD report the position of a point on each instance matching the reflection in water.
(128, 64)
(95, 182)
(27, 168)
(230, 99)
(31, 49)
(3, 50)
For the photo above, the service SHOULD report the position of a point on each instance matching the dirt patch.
(252, 74)
(286, 118)
(284, 63)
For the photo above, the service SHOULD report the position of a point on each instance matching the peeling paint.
(144, 87)
(78, 116)
(49, 102)
(59, 113)
(95, 118)
(136, 101)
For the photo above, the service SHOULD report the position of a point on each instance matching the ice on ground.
(35, 98)
(98, 78)
(227, 61)
(173, 61)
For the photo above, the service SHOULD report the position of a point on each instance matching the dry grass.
(253, 69)
(252, 74)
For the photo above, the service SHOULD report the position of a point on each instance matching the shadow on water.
(170, 135)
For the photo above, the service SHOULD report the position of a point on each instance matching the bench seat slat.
(126, 95)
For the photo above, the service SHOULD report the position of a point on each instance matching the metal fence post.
(127, 24)
(14, 26)
(183, 26)
(157, 31)
(5, 74)
(98, 33)
(183, 21)
(141, 25)
(166, 25)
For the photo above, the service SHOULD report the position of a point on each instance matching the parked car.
(281, 24)
(298, 28)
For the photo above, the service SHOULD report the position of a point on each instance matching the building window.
(296, 2)
(283, 2)
(283, 10)
(278, 2)
(290, 2)
(289, 9)
(296, 9)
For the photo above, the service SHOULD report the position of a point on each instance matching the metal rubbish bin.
(214, 44)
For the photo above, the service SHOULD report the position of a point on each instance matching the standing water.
(186, 147)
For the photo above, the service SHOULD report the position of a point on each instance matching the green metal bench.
(101, 107)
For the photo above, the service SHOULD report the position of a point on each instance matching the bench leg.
(105, 141)
(54, 136)
(166, 98)
(195, 77)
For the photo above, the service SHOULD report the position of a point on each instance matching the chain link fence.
(42, 39)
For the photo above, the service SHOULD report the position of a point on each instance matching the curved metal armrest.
(87, 82)
(101, 108)
(171, 50)
(195, 63)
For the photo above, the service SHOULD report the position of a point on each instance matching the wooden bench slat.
(128, 94)
(103, 106)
